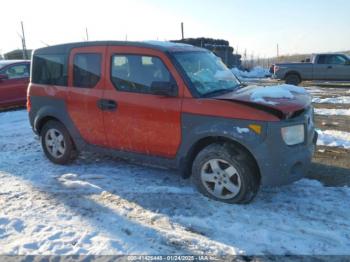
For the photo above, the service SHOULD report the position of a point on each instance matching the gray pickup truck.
(334, 67)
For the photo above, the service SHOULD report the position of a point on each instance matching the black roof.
(157, 45)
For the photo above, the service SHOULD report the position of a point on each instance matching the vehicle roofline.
(157, 45)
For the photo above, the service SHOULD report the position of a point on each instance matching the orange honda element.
(170, 105)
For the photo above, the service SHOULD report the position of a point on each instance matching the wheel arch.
(187, 161)
(293, 72)
(39, 123)
(45, 109)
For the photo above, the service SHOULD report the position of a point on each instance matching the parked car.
(334, 67)
(14, 80)
(169, 105)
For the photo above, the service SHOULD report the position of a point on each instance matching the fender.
(198, 127)
(49, 107)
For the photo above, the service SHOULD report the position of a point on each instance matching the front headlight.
(293, 135)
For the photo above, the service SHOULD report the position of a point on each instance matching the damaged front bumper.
(281, 164)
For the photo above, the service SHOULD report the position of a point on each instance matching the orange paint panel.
(82, 102)
(144, 123)
(222, 108)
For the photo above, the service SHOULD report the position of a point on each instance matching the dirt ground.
(331, 165)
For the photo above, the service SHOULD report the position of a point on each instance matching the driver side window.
(336, 60)
(17, 71)
(136, 73)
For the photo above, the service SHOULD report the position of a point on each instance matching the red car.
(14, 79)
(169, 105)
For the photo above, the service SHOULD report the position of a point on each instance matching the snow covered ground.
(100, 205)
(332, 100)
(334, 138)
(332, 111)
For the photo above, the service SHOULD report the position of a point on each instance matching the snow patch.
(332, 100)
(333, 138)
(332, 112)
(71, 181)
(242, 130)
(278, 91)
(256, 72)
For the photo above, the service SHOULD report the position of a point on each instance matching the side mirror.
(347, 62)
(3, 76)
(163, 88)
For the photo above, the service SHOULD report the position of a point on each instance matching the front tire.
(57, 143)
(226, 174)
(293, 79)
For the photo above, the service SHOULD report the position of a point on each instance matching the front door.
(14, 89)
(338, 69)
(85, 88)
(142, 121)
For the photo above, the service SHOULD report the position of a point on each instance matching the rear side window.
(322, 59)
(136, 73)
(87, 70)
(49, 70)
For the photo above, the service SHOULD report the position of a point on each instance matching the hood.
(284, 101)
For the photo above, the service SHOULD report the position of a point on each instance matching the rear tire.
(225, 174)
(57, 143)
(293, 79)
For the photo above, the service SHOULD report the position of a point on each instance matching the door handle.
(330, 67)
(107, 105)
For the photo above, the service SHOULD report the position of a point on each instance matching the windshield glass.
(207, 72)
(2, 65)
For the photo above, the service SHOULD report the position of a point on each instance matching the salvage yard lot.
(101, 205)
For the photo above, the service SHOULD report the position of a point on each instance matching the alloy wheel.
(220, 178)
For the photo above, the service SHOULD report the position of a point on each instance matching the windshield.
(207, 72)
(2, 65)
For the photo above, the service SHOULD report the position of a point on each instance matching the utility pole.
(278, 51)
(24, 48)
(87, 34)
(182, 30)
(245, 57)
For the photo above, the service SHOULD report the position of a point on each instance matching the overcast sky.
(298, 26)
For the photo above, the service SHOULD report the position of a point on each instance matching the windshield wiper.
(218, 91)
(224, 90)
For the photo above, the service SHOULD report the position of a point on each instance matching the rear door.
(142, 121)
(13, 89)
(338, 69)
(85, 88)
(320, 71)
